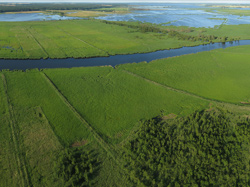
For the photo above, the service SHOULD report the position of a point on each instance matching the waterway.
(113, 60)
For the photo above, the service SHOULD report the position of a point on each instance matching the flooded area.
(33, 17)
(192, 15)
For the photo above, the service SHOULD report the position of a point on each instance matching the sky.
(136, 1)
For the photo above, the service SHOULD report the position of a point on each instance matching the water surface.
(33, 17)
(113, 60)
(192, 15)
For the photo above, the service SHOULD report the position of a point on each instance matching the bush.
(75, 166)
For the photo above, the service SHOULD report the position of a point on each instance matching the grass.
(39, 139)
(39, 145)
(240, 12)
(85, 13)
(9, 172)
(110, 173)
(99, 108)
(3, 104)
(232, 31)
(219, 74)
(25, 92)
(112, 101)
(90, 38)
(48, 109)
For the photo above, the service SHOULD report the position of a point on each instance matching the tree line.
(5, 7)
(170, 32)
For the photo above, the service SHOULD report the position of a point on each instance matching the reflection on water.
(192, 15)
(113, 60)
(33, 17)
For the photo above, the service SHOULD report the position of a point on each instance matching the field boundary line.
(99, 139)
(81, 40)
(37, 42)
(181, 91)
(22, 169)
(110, 151)
(25, 52)
(50, 126)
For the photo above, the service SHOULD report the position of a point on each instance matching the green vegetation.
(76, 167)
(207, 148)
(98, 95)
(99, 110)
(240, 12)
(218, 18)
(218, 75)
(91, 38)
(132, 125)
(84, 13)
(172, 32)
(19, 7)
(39, 144)
(25, 92)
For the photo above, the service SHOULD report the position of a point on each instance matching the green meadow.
(130, 125)
(101, 108)
(221, 74)
(91, 38)
(233, 11)
(112, 101)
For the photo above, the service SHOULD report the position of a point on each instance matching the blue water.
(192, 15)
(33, 17)
(113, 60)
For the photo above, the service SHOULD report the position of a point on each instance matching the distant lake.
(33, 17)
(192, 15)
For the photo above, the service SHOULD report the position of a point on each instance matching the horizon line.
(130, 1)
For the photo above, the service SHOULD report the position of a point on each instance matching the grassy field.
(219, 74)
(112, 101)
(39, 144)
(90, 38)
(240, 12)
(25, 92)
(85, 13)
(99, 109)
(33, 133)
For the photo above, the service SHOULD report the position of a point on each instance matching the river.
(113, 60)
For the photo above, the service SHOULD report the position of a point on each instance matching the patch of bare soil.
(79, 143)
(169, 116)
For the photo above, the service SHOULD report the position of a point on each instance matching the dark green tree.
(207, 148)
(75, 167)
